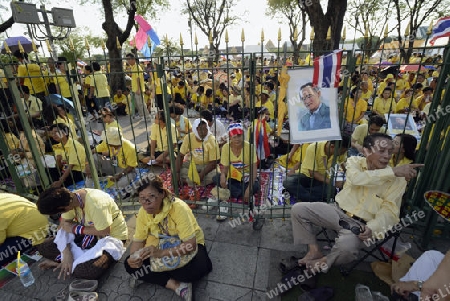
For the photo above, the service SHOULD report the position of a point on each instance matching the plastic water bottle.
(26, 276)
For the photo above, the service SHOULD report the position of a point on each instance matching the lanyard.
(80, 200)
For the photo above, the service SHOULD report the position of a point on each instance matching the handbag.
(175, 261)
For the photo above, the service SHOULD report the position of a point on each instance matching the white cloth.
(109, 244)
(195, 126)
(423, 267)
(219, 131)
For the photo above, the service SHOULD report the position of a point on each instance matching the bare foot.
(309, 257)
(48, 264)
(319, 264)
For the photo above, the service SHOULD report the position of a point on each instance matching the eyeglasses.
(307, 96)
(148, 199)
(346, 225)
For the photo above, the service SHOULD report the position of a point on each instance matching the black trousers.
(195, 270)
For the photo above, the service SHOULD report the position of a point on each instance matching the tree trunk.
(114, 34)
(7, 24)
(321, 22)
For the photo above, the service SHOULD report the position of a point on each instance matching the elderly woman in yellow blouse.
(70, 156)
(118, 158)
(354, 108)
(404, 150)
(21, 226)
(163, 214)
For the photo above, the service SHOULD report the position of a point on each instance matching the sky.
(172, 22)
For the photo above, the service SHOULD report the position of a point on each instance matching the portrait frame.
(396, 124)
(298, 111)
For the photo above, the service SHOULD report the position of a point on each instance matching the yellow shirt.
(181, 222)
(201, 152)
(70, 124)
(157, 82)
(126, 154)
(362, 131)
(20, 217)
(352, 112)
(121, 99)
(102, 212)
(72, 154)
(420, 102)
(403, 161)
(384, 106)
(373, 195)
(187, 126)
(63, 84)
(366, 96)
(404, 104)
(160, 136)
(241, 162)
(316, 159)
(31, 73)
(100, 84)
(12, 141)
(87, 82)
(297, 157)
(180, 90)
(269, 106)
(137, 79)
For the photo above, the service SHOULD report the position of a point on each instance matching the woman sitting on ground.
(91, 223)
(404, 150)
(163, 214)
(239, 168)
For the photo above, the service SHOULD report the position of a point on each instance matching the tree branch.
(7, 24)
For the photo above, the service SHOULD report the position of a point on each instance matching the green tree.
(365, 16)
(167, 48)
(78, 38)
(288, 10)
(212, 18)
(416, 12)
(320, 21)
(116, 35)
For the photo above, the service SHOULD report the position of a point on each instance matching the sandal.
(184, 291)
(83, 285)
(83, 296)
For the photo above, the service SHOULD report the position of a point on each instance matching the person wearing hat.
(118, 158)
(317, 113)
(264, 101)
(238, 165)
(202, 147)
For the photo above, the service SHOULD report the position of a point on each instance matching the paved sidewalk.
(241, 260)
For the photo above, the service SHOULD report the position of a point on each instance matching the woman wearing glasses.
(163, 214)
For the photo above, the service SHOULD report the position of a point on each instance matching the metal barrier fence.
(33, 158)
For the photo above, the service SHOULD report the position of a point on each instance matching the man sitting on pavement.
(370, 200)
(310, 184)
(203, 149)
(216, 126)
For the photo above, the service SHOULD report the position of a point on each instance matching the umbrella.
(414, 68)
(13, 44)
(59, 100)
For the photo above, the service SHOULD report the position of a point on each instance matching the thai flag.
(326, 70)
(441, 29)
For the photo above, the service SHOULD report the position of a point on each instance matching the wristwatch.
(420, 285)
